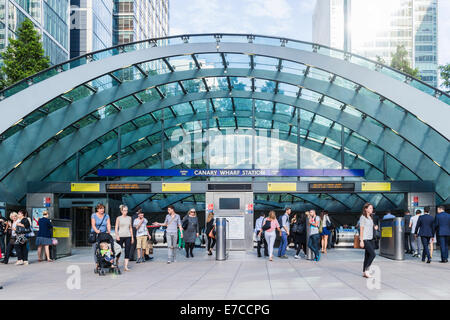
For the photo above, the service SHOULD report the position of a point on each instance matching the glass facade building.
(50, 17)
(378, 27)
(91, 26)
(136, 20)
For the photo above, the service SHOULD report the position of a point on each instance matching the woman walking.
(22, 228)
(44, 236)
(190, 233)
(269, 234)
(209, 228)
(124, 234)
(366, 237)
(325, 222)
(11, 236)
(300, 235)
(100, 222)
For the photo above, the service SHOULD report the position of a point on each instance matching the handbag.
(267, 225)
(54, 241)
(21, 239)
(185, 224)
(212, 233)
(93, 235)
(321, 226)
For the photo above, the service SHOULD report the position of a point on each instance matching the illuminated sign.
(85, 187)
(376, 186)
(176, 187)
(282, 187)
(128, 187)
(319, 187)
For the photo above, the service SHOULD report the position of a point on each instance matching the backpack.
(280, 221)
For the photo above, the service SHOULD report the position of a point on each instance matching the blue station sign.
(230, 172)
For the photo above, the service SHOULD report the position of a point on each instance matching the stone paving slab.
(243, 276)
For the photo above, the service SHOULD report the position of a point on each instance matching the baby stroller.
(103, 265)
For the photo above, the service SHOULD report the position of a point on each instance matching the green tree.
(445, 76)
(400, 62)
(24, 55)
(380, 60)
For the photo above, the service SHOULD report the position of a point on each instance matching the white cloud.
(279, 9)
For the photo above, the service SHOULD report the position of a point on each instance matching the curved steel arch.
(386, 139)
(19, 146)
(391, 89)
(67, 147)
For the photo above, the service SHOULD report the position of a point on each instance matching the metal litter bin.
(221, 238)
(392, 243)
(62, 231)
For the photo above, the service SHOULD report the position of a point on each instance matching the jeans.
(171, 245)
(369, 254)
(426, 249)
(283, 244)
(270, 238)
(443, 243)
(313, 244)
(416, 244)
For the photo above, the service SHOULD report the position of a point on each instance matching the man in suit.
(426, 232)
(442, 225)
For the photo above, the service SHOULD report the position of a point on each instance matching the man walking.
(442, 224)
(172, 222)
(314, 236)
(284, 225)
(133, 245)
(416, 244)
(425, 229)
(408, 247)
(260, 236)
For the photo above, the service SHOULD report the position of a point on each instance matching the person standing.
(209, 228)
(425, 230)
(408, 246)
(100, 222)
(261, 240)
(285, 227)
(3, 228)
(133, 245)
(11, 236)
(191, 231)
(416, 243)
(124, 234)
(269, 234)
(314, 236)
(173, 223)
(22, 227)
(142, 235)
(325, 221)
(300, 235)
(366, 235)
(442, 225)
(44, 236)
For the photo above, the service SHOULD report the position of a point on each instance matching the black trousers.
(22, 251)
(2, 243)
(408, 246)
(426, 249)
(259, 244)
(369, 254)
(133, 246)
(9, 249)
(189, 247)
(127, 242)
(210, 246)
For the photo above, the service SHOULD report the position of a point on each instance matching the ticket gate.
(237, 208)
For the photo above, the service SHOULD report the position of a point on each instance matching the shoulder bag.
(267, 225)
(93, 235)
(185, 223)
(165, 231)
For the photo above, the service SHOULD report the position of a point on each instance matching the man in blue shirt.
(260, 237)
(442, 225)
(388, 215)
(284, 226)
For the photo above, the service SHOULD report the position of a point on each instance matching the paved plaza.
(242, 276)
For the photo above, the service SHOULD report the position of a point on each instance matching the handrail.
(216, 37)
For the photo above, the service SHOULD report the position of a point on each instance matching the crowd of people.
(132, 234)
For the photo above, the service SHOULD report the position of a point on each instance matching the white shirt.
(414, 222)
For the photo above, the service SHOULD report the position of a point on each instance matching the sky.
(285, 18)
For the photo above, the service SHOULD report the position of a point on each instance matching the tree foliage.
(24, 55)
(400, 62)
(445, 76)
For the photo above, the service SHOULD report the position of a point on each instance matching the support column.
(253, 137)
(298, 141)
(162, 141)
(342, 150)
(119, 146)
